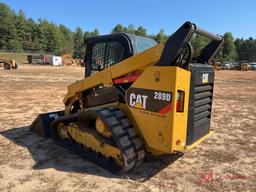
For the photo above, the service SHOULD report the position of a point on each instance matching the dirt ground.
(224, 162)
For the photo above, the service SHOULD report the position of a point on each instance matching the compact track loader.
(138, 97)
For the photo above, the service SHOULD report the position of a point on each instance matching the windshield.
(141, 43)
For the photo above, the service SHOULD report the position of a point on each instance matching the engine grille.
(200, 102)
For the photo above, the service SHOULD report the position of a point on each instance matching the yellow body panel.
(161, 132)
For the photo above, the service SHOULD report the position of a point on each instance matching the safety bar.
(207, 34)
(180, 39)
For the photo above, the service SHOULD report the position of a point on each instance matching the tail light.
(180, 101)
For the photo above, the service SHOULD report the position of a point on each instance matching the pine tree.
(229, 48)
(54, 41)
(52, 36)
(78, 38)
(23, 30)
(15, 44)
(66, 39)
(7, 28)
(118, 29)
(141, 31)
(95, 32)
(198, 42)
(247, 50)
(42, 33)
(130, 29)
(161, 37)
(238, 43)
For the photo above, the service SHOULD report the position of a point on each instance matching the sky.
(216, 16)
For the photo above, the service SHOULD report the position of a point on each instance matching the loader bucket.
(42, 124)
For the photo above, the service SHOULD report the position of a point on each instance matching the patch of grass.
(18, 57)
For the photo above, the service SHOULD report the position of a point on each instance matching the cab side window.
(98, 53)
(106, 54)
(115, 53)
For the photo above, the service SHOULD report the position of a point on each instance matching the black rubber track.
(124, 135)
(133, 136)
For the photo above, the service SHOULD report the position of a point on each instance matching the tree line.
(19, 33)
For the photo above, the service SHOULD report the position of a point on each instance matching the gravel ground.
(224, 162)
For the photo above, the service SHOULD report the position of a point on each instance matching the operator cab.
(107, 50)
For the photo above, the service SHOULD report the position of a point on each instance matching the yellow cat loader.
(138, 97)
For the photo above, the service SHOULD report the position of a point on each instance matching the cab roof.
(137, 43)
